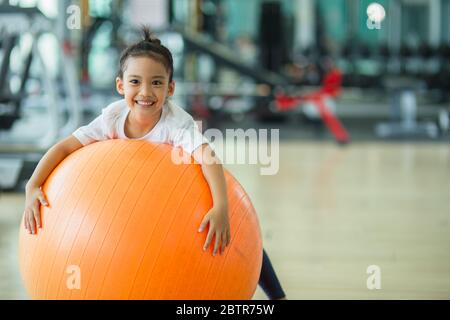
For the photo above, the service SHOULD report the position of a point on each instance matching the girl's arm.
(217, 217)
(51, 159)
(33, 192)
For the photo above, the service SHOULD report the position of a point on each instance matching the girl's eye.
(157, 83)
(134, 81)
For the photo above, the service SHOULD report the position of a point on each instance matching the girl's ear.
(119, 86)
(171, 89)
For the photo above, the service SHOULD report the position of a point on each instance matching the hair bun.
(155, 41)
(147, 35)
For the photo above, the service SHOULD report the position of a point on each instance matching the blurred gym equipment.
(22, 140)
(404, 112)
(331, 88)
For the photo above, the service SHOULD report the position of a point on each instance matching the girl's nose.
(147, 91)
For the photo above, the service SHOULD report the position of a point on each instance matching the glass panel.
(415, 22)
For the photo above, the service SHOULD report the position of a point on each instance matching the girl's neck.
(138, 126)
(143, 122)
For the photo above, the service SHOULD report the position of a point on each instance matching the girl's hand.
(32, 216)
(219, 227)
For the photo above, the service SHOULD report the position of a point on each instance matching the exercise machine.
(31, 122)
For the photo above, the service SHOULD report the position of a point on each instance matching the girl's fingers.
(25, 221)
(224, 242)
(31, 223)
(204, 223)
(25, 218)
(28, 217)
(37, 215)
(217, 243)
(208, 239)
(42, 199)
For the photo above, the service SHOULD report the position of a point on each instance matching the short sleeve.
(189, 137)
(94, 131)
(104, 126)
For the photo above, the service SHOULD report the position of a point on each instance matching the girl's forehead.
(145, 66)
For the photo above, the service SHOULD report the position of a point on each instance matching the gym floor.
(329, 214)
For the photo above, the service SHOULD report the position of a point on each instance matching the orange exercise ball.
(122, 223)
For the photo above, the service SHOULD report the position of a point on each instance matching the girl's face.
(145, 85)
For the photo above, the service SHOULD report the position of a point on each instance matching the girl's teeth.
(145, 103)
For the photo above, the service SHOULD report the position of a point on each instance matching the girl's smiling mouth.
(145, 103)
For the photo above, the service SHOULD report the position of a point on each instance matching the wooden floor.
(327, 215)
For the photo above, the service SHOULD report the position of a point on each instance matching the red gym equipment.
(331, 87)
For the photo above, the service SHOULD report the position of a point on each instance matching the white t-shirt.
(175, 127)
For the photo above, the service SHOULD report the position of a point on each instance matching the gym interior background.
(358, 89)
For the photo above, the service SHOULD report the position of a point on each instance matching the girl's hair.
(148, 47)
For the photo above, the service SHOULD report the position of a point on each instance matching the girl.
(145, 81)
